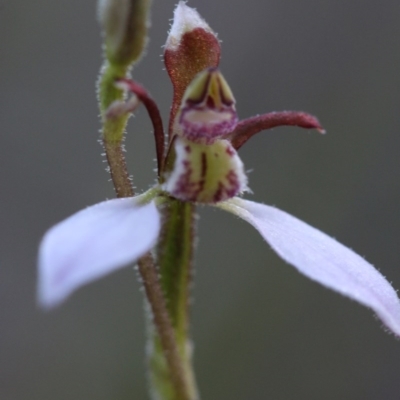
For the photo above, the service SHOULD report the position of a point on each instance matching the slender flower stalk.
(198, 163)
(125, 26)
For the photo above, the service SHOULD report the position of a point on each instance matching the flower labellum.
(206, 173)
(207, 169)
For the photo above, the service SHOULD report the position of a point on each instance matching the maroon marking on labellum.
(210, 103)
(230, 151)
(225, 192)
(233, 180)
(186, 188)
(193, 102)
(203, 164)
(188, 149)
(218, 194)
(231, 177)
(225, 101)
(183, 184)
(207, 133)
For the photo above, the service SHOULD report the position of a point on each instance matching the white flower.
(202, 165)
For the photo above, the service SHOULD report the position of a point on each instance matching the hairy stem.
(175, 253)
(165, 332)
(113, 130)
(118, 170)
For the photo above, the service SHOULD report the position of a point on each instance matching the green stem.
(175, 371)
(114, 128)
(175, 253)
(168, 346)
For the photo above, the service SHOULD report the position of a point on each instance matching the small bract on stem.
(197, 163)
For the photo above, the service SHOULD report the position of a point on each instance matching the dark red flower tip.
(196, 50)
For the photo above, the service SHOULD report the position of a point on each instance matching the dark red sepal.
(154, 115)
(247, 128)
(197, 51)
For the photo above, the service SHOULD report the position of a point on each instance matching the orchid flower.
(199, 165)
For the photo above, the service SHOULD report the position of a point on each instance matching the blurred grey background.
(261, 330)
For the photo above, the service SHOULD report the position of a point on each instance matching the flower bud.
(125, 24)
(208, 108)
(191, 47)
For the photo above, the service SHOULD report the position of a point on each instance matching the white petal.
(322, 258)
(93, 243)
